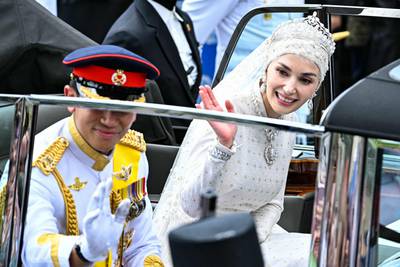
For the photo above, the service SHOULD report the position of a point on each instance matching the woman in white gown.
(247, 167)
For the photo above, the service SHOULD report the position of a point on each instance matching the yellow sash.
(126, 166)
(125, 173)
(106, 263)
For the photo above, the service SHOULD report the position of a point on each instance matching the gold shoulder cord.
(135, 140)
(47, 163)
(70, 208)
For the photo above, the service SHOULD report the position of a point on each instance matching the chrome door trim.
(18, 182)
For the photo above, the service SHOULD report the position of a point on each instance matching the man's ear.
(69, 91)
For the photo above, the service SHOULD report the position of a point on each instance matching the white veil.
(305, 37)
(243, 76)
(168, 214)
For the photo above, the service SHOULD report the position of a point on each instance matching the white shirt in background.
(174, 24)
(222, 16)
(51, 5)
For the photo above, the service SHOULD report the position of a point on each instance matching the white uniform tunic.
(45, 242)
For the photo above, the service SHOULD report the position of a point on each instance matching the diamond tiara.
(313, 21)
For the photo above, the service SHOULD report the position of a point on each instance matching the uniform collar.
(84, 151)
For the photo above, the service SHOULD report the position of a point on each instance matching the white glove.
(101, 229)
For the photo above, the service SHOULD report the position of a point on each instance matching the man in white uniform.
(88, 202)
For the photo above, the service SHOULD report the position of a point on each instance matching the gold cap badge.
(118, 78)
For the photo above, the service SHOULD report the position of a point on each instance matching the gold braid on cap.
(134, 140)
(47, 163)
(90, 93)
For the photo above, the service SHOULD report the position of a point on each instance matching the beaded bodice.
(256, 173)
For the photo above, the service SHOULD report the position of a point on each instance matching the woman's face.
(291, 81)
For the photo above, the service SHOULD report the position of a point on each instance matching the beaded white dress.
(249, 177)
(245, 182)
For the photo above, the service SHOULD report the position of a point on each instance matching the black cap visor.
(112, 91)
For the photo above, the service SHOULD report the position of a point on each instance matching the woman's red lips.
(284, 100)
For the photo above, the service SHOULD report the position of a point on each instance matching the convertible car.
(343, 181)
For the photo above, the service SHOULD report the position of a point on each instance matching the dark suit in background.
(141, 30)
(157, 130)
(91, 17)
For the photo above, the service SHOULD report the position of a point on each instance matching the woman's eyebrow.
(309, 74)
(284, 66)
(303, 74)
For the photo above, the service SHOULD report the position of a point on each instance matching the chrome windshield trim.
(362, 11)
(179, 112)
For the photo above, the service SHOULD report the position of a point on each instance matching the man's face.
(101, 129)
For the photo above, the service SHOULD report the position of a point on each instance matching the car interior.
(297, 208)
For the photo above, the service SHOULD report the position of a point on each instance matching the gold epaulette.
(135, 140)
(48, 160)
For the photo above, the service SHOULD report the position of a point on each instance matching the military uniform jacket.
(48, 238)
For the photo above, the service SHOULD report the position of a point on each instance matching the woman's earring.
(263, 84)
(310, 104)
(310, 101)
(263, 87)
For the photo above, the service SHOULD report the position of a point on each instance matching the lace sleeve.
(191, 158)
(205, 179)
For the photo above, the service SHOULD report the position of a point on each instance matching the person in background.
(75, 13)
(88, 201)
(164, 34)
(223, 16)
